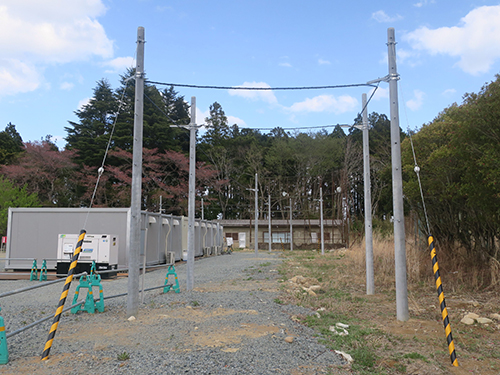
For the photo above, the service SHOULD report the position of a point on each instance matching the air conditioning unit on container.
(101, 248)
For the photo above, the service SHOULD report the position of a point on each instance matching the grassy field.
(334, 285)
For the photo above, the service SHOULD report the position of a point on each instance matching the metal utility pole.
(321, 220)
(291, 226)
(256, 216)
(191, 202)
(370, 283)
(202, 210)
(269, 224)
(397, 185)
(135, 205)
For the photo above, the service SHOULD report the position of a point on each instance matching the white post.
(321, 220)
(397, 185)
(135, 201)
(191, 201)
(256, 216)
(202, 210)
(291, 226)
(269, 223)
(370, 282)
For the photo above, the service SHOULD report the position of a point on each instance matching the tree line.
(457, 152)
(459, 158)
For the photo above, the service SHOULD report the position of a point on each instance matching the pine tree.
(11, 144)
(89, 137)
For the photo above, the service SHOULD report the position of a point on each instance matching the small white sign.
(242, 239)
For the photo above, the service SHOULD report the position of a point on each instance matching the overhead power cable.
(416, 168)
(261, 88)
(375, 86)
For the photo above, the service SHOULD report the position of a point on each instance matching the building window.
(278, 237)
(234, 236)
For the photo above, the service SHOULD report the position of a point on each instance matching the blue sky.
(54, 52)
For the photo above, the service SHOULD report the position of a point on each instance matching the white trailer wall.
(33, 233)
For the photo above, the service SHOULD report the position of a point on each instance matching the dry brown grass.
(465, 273)
(418, 263)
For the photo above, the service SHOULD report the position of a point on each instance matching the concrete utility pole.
(202, 210)
(269, 224)
(291, 226)
(135, 205)
(191, 202)
(370, 283)
(256, 216)
(321, 221)
(397, 185)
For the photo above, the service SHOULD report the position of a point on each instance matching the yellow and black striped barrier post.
(442, 303)
(64, 294)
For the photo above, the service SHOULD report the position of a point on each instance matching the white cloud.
(53, 31)
(120, 64)
(50, 31)
(264, 95)
(422, 3)
(163, 8)
(417, 101)
(403, 56)
(66, 86)
(201, 116)
(382, 17)
(449, 92)
(17, 76)
(476, 40)
(285, 64)
(325, 103)
(323, 62)
(231, 120)
(381, 93)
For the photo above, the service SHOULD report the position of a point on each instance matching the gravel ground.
(229, 324)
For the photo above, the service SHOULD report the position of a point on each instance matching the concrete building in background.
(306, 233)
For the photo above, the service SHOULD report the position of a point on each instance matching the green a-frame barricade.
(175, 285)
(34, 271)
(88, 282)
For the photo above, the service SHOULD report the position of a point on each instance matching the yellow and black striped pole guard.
(64, 294)
(442, 303)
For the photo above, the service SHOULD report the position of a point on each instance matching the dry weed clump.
(467, 271)
(461, 271)
(418, 263)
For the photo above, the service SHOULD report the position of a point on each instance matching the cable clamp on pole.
(394, 76)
